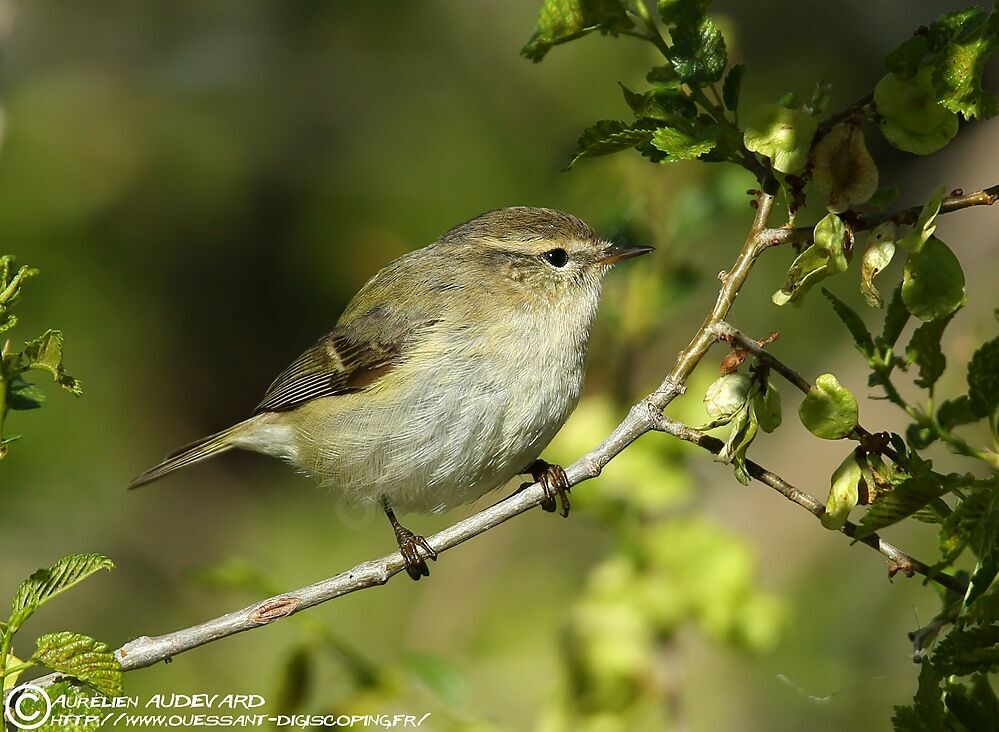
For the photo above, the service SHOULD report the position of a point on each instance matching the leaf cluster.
(43, 354)
(90, 665)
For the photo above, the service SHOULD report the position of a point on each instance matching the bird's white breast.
(466, 411)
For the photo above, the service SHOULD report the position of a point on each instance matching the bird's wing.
(383, 321)
(339, 363)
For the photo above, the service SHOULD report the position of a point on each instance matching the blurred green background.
(204, 186)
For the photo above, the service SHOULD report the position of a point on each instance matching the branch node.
(274, 609)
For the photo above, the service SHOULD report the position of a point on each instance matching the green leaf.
(896, 316)
(47, 583)
(877, 256)
(782, 134)
(45, 354)
(561, 21)
(827, 256)
(698, 48)
(904, 60)
(933, 281)
(910, 118)
(902, 501)
(844, 492)
(854, 323)
(842, 169)
(884, 196)
(679, 145)
(10, 289)
(959, 67)
(986, 548)
(956, 412)
(744, 428)
(81, 657)
(983, 379)
(663, 104)
(974, 706)
(829, 410)
(606, 137)
(927, 713)
(732, 86)
(70, 708)
(726, 396)
(969, 650)
(924, 351)
(925, 225)
(767, 406)
(22, 394)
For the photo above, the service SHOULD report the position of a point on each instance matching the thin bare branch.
(899, 560)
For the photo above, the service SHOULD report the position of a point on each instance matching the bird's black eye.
(556, 257)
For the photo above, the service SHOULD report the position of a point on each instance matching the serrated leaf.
(925, 225)
(974, 706)
(829, 410)
(607, 137)
(70, 710)
(698, 50)
(827, 256)
(11, 281)
(49, 582)
(969, 650)
(877, 256)
(854, 323)
(896, 316)
(956, 412)
(909, 116)
(924, 351)
(81, 657)
(767, 406)
(986, 548)
(732, 87)
(983, 379)
(843, 170)
(933, 281)
(959, 66)
(927, 712)
(902, 501)
(680, 146)
(22, 394)
(663, 104)
(844, 492)
(782, 134)
(561, 21)
(45, 354)
(904, 60)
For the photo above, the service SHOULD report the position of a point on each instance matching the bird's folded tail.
(192, 453)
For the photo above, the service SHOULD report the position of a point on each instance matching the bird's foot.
(555, 484)
(412, 546)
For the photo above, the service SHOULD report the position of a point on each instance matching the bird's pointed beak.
(615, 253)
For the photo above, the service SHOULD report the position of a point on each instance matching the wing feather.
(334, 365)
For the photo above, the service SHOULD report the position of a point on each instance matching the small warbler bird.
(445, 377)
